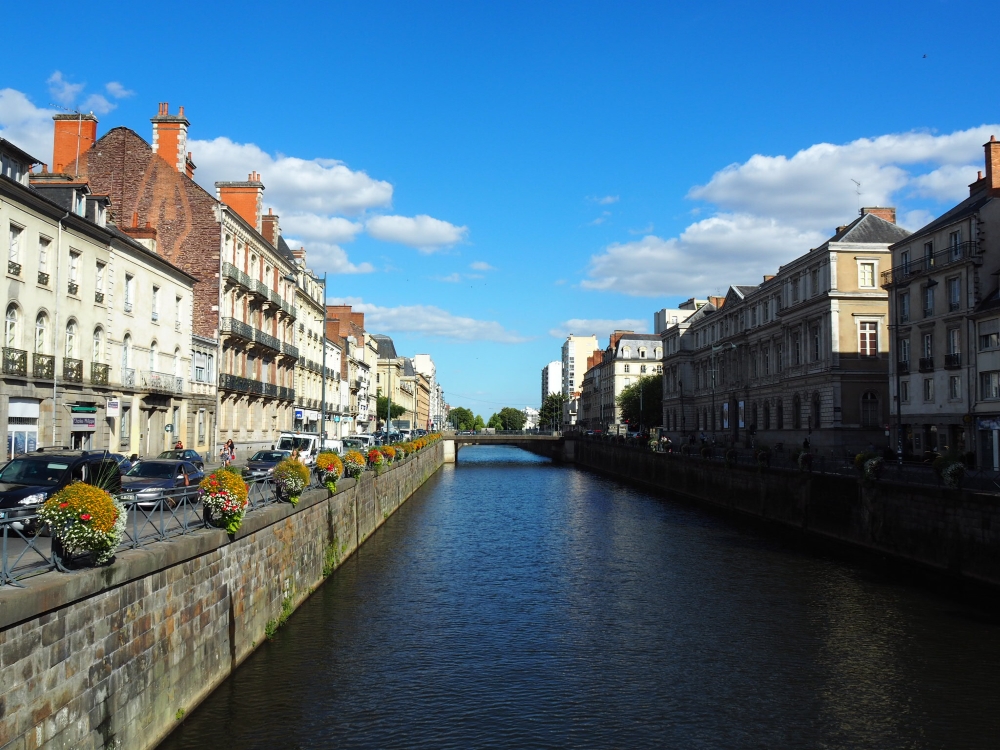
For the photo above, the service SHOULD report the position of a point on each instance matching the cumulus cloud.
(423, 232)
(97, 104)
(25, 125)
(330, 257)
(770, 209)
(62, 90)
(606, 200)
(452, 278)
(428, 320)
(600, 327)
(480, 265)
(605, 215)
(117, 91)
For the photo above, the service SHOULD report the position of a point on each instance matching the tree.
(511, 418)
(551, 413)
(382, 407)
(495, 422)
(479, 424)
(462, 418)
(647, 391)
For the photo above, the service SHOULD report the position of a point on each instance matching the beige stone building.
(628, 357)
(802, 355)
(945, 368)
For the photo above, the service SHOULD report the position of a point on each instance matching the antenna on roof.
(857, 189)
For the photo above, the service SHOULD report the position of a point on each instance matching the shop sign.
(84, 424)
(113, 408)
(989, 423)
(82, 409)
(298, 414)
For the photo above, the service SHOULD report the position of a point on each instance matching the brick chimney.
(718, 302)
(245, 198)
(992, 148)
(299, 254)
(889, 214)
(73, 135)
(270, 227)
(170, 139)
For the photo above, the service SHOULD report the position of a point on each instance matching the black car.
(32, 478)
(149, 481)
(188, 455)
(262, 463)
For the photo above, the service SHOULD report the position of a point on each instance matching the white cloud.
(600, 219)
(315, 227)
(62, 90)
(600, 327)
(480, 265)
(606, 200)
(428, 320)
(97, 104)
(452, 278)
(330, 257)
(771, 209)
(648, 229)
(423, 232)
(118, 91)
(25, 125)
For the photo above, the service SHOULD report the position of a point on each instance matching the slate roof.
(992, 302)
(386, 349)
(284, 250)
(744, 289)
(871, 229)
(408, 370)
(967, 207)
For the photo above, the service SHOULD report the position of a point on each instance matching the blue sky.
(483, 178)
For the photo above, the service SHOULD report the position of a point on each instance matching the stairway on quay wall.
(112, 657)
(952, 532)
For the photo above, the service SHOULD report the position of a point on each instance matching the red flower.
(84, 516)
(63, 505)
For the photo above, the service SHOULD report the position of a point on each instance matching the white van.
(308, 445)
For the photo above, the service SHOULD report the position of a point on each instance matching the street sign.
(168, 427)
(113, 408)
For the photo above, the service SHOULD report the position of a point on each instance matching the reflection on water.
(512, 603)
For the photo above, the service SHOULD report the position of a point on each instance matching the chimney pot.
(180, 112)
(135, 218)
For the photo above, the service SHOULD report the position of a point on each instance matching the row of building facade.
(142, 310)
(878, 337)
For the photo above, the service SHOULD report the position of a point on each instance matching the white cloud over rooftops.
(429, 320)
(422, 232)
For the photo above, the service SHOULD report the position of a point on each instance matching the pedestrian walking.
(231, 449)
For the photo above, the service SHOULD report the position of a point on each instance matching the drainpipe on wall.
(55, 326)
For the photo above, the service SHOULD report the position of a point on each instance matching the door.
(155, 434)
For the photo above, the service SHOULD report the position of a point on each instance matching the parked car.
(32, 478)
(184, 455)
(262, 463)
(124, 463)
(149, 481)
(353, 444)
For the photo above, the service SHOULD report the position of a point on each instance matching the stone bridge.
(548, 444)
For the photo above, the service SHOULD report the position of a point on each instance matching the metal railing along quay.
(26, 545)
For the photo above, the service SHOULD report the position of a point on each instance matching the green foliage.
(479, 424)
(647, 391)
(511, 418)
(551, 413)
(382, 406)
(495, 422)
(180, 714)
(330, 558)
(286, 611)
(462, 418)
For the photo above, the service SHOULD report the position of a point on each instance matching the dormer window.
(642, 354)
(81, 204)
(626, 352)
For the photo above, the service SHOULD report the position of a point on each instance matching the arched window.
(796, 413)
(153, 354)
(98, 344)
(815, 411)
(41, 333)
(870, 410)
(72, 339)
(12, 326)
(126, 352)
(626, 352)
(177, 362)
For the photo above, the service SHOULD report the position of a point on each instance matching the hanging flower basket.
(376, 460)
(85, 519)
(330, 469)
(290, 478)
(354, 464)
(224, 497)
(389, 452)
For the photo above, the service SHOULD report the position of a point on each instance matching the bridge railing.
(506, 433)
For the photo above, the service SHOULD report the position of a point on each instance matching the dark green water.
(515, 604)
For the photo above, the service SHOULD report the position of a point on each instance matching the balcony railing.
(953, 361)
(43, 278)
(903, 367)
(128, 306)
(233, 382)
(73, 288)
(917, 266)
(160, 382)
(14, 269)
(232, 272)
(289, 350)
(128, 377)
(259, 288)
(15, 362)
(43, 366)
(270, 389)
(266, 339)
(928, 312)
(99, 298)
(156, 316)
(927, 364)
(286, 394)
(288, 308)
(99, 373)
(72, 370)
(237, 328)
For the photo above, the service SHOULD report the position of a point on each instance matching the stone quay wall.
(952, 531)
(112, 657)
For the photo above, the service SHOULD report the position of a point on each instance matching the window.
(780, 356)
(11, 327)
(929, 254)
(796, 413)
(126, 352)
(904, 261)
(954, 341)
(795, 289)
(201, 426)
(989, 334)
(766, 356)
(642, 354)
(43, 255)
(814, 282)
(767, 415)
(14, 246)
(99, 277)
(904, 307)
(928, 345)
(954, 387)
(72, 343)
(903, 346)
(41, 333)
(126, 426)
(200, 367)
(74, 267)
(796, 348)
(870, 410)
(815, 344)
(153, 354)
(954, 294)
(866, 275)
(129, 292)
(928, 390)
(626, 368)
(626, 352)
(904, 391)
(98, 344)
(955, 244)
(642, 369)
(989, 385)
(780, 416)
(868, 339)
(177, 311)
(156, 303)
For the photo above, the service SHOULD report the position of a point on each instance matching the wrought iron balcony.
(953, 361)
(156, 316)
(14, 269)
(288, 308)
(43, 278)
(927, 364)
(266, 339)
(289, 350)
(99, 373)
(233, 382)
(255, 387)
(259, 288)
(99, 298)
(270, 389)
(160, 382)
(286, 394)
(236, 328)
(231, 272)
(72, 370)
(903, 367)
(917, 266)
(128, 306)
(43, 366)
(15, 362)
(128, 377)
(73, 288)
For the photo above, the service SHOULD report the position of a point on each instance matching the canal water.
(512, 603)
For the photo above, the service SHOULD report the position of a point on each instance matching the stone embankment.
(113, 657)
(952, 531)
